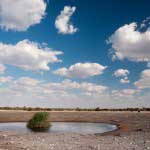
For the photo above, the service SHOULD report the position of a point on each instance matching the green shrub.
(39, 122)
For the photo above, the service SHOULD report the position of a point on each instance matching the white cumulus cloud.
(31, 86)
(122, 73)
(2, 68)
(144, 81)
(128, 42)
(27, 81)
(28, 55)
(81, 70)
(19, 15)
(63, 23)
(125, 92)
(33, 92)
(67, 85)
(124, 80)
(5, 79)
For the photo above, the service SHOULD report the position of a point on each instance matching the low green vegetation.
(39, 122)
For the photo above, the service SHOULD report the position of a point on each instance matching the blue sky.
(103, 52)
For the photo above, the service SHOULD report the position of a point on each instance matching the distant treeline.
(73, 109)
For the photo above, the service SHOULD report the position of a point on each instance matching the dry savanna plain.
(133, 131)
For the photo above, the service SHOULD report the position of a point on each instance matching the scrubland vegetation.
(74, 109)
(39, 122)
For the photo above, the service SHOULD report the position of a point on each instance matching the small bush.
(39, 122)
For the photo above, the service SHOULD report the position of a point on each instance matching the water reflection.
(62, 127)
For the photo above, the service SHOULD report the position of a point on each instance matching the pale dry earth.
(133, 132)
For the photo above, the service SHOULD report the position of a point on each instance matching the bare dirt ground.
(133, 132)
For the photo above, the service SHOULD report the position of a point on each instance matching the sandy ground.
(134, 132)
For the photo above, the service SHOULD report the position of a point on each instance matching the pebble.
(132, 141)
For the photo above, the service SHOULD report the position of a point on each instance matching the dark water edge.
(62, 127)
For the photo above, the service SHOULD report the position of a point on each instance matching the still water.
(62, 127)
